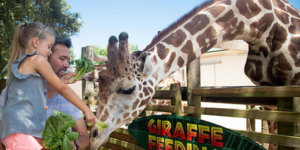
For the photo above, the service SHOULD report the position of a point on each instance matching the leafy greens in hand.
(99, 125)
(57, 134)
(83, 66)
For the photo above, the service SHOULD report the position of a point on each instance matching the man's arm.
(83, 138)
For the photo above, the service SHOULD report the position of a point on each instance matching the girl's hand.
(66, 78)
(90, 117)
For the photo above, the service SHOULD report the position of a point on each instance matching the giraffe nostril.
(95, 133)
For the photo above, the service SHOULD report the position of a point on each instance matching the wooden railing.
(284, 97)
(121, 140)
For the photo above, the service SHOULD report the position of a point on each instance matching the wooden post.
(193, 81)
(88, 87)
(177, 100)
(250, 126)
(297, 109)
(144, 113)
(286, 128)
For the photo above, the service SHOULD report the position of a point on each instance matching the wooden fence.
(284, 97)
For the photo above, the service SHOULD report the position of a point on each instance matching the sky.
(141, 19)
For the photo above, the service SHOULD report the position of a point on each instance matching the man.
(59, 60)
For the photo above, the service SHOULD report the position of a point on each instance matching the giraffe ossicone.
(270, 27)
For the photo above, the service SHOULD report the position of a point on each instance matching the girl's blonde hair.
(23, 33)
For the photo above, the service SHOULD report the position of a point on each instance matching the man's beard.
(61, 72)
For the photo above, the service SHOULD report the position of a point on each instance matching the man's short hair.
(63, 41)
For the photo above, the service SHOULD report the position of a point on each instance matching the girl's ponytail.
(16, 50)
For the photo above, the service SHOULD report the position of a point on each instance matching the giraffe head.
(123, 91)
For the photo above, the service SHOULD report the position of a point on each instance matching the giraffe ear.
(143, 59)
(145, 66)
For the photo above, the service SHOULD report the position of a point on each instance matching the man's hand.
(83, 139)
(74, 146)
(67, 77)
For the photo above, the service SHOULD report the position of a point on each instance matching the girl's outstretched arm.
(43, 67)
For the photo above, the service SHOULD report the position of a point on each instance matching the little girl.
(24, 113)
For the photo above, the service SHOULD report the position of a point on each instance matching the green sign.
(170, 132)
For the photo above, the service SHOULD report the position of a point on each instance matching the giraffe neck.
(205, 27)
(191, 36)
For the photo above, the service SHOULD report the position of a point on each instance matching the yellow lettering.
(151, 127)
(178, 145)
(168, 144)
(151, 144)
(160, 143)
(189, 146)
(203, 133)
(216, 136)
(191, 128)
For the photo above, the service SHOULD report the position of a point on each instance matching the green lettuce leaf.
(57, 134)
(83, 66)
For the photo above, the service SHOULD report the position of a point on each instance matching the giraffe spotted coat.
(270, 27)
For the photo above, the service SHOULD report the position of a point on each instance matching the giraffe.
(270, 27)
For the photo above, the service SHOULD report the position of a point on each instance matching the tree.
(55, 13)
(133, 48)
(100, 51)
(72, 57)
(103, 51)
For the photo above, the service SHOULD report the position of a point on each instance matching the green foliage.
(99, 125)
(72, 57)
(103, 51)
(83, 66)
(100, 51)
(55, 13)
(133, 48)
(57, 134)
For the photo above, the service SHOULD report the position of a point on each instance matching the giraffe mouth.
(99, 138)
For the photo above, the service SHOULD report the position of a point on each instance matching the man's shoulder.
(61, 98)
(59, 103)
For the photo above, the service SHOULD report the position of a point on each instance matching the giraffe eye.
(126, 91)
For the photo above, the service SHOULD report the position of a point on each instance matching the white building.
(223, 66)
